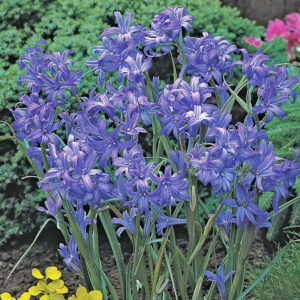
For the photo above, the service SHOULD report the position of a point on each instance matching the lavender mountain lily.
(136, 156)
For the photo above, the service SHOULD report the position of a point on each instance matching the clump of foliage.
(103, 137)
(283, 281)
(68, 24)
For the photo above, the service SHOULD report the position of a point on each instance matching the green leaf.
(278, 256)
(265, 200)
(29, 248)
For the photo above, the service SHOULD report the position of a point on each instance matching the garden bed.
(45, 254)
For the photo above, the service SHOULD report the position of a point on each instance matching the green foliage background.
(283, 281)
(76, 24)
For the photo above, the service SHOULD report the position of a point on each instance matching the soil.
(44, 254)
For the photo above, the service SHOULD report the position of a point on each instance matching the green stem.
(44, 156)
(116, 248)
(206, 232)
(177, 268)
(231, 99)
(135, 253)
(159, 261)
(243, 254)
(144, 278)
(174, 67)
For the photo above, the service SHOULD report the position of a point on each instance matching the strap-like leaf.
(265, 272)
(29, 248)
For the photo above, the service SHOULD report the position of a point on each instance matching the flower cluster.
(103, 157)
(181, 108)
(48, 72)
(253, 41)
(289, 31)
(121, 46)
(274, 88)
(54, 290)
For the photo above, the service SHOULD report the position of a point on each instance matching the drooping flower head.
(165, 28)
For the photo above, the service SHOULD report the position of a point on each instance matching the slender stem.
(206, 232)
(116, 248)
(177, 269)
(229, 103)
(244, 251)
(44, 156)
(174, 67)
(136, 252)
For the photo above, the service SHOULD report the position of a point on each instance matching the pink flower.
(253, 41)
(293, 40)
(293, 21)
(257, 43)
(276, 27)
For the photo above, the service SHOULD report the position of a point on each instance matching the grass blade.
(265, 272)
(29, 248)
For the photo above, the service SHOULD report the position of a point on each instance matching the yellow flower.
(95, 295)
(36, 273)
(52, 297)
(57, 286)
(7, 296)
(52, 290)
(25, 296)
(51, 273)
(82, 294)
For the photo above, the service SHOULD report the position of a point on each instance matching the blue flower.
(253, 67)
(129, 160)
(245, 207)
(165, 28)
(270, 103)
(182, 106)
(113, 53)
(141, 198)
(107, 144)
(261, 165)
(208, 56)
(173, 19)
(127, 222)
(170, 188)
(49, 71)
(134, 68)
(70, 255)
(52, 206)
(269, 90)
(124, 29)
(220, 279)
(215, 167)
(225, 219)
(141, 174)
(179, 162)
(130, 125)
(164, 221)
(82, 220)
(262, 221)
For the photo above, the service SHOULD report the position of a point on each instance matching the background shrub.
(76, 24)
